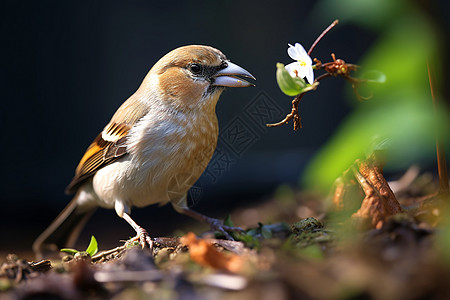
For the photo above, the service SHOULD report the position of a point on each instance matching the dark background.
(67, 66)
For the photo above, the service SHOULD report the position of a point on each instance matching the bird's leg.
(141, 233)
(215, 224)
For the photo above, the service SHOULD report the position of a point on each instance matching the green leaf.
(228, 221)
(401, 110)
(249, 240)
(252, 232)
(69, 250)
(265, 232)
(92, 249)
(289, 85)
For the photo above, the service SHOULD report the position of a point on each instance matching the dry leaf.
(206, 254)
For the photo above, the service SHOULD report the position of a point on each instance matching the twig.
(441, 161)
(337, 67)
(335, 22)
(323, 76)
(105, 253)
(294, 112)
(406, 180)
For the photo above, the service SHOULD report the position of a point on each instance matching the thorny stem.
(442, 164)
(335, 22)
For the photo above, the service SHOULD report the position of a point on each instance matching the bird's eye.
(223, 65)
(196, 68)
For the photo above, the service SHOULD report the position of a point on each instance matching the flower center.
(302, 63)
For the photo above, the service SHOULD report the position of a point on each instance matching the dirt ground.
(294, 247)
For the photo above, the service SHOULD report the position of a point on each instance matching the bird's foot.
(141, 234)
(143, 238)
(217, 225)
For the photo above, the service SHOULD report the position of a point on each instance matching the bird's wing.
(110, 144)
(101, 153)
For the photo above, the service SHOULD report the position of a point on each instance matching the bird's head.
(193, 76)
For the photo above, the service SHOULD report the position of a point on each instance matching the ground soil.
(294, 247)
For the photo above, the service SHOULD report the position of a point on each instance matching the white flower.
(303, 66)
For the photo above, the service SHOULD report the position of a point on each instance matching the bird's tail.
(64, 230)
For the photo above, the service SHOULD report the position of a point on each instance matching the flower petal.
(297, 70)
(302, 72)
(297, 52)
(293, 52)
(307, 59)
(292, 67)
(300, 50)
(310, 75)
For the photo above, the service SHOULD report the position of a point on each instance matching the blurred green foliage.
(401, 109)
(373, 14)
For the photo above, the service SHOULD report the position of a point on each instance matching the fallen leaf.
(206, 254)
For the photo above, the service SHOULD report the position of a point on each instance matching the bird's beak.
(227, 77)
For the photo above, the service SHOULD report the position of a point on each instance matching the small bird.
(155, 147)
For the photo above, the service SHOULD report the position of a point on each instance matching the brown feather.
(173, 83)
(111, 143)
(181, 57)
(99, 154)
(104, 151)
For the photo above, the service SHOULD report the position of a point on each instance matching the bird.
(154, 148)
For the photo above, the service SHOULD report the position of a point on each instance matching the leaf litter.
(294, 249)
